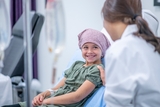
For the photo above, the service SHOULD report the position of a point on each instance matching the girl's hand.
(38, 100)
(102, 74)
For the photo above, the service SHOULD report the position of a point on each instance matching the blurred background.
(79, 15)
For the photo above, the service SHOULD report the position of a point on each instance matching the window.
(156, 2)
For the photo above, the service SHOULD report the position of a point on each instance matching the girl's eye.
(85, 47)
(95, 47)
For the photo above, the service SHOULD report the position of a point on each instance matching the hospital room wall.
(90, 17)
(78, 16)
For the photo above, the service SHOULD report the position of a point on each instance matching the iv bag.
(55, 26)
(5, 26)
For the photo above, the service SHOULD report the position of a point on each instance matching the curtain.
(16, 11)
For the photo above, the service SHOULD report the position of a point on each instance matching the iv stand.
(27, 52)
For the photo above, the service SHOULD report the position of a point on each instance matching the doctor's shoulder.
(121, 48)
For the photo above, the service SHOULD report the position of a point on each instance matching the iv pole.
(27, 52)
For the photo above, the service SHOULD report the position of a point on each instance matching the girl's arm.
(60, 84)
(84, 90)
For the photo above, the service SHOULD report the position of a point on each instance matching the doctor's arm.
(102, 74)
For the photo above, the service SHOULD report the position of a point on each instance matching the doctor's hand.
(38, 100)
(102, 74)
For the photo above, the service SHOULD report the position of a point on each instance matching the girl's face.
(91, 53)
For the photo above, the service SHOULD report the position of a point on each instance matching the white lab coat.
(132, 72)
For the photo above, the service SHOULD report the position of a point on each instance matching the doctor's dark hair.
(130, 12)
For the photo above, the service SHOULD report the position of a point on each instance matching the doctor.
(133, 61)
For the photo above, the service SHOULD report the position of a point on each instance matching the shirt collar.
(130, 29)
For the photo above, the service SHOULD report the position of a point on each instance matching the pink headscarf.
(94, 36)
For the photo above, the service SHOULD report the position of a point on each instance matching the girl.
(133, 61)
(82, 79)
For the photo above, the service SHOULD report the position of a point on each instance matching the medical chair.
(14, 54)
(152, 21)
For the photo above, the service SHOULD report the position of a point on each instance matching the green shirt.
(76, 75)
